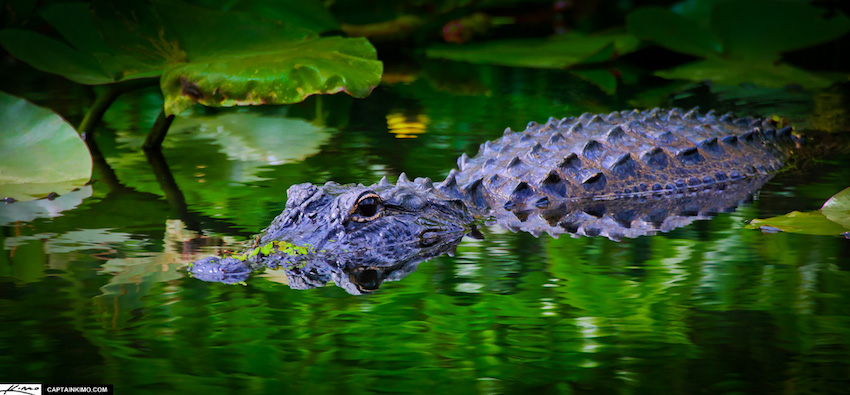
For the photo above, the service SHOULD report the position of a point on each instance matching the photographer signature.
(21, 389)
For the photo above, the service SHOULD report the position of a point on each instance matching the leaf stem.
(157, 134)
(104, 100)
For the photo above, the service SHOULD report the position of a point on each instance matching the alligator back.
(619, 155)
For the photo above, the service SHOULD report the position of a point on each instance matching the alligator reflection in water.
(360, 272)
(625, 174)
(357, 272)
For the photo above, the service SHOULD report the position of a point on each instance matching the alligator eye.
(368, 207)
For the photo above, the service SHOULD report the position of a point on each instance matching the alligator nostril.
(429, 237)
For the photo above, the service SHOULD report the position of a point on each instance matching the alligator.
(624, 174)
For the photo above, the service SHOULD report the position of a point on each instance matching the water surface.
(97, 293)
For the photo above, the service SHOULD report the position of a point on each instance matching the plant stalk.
(157, 134)
(104, 100)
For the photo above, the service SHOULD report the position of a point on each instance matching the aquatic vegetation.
(741, 42)
(201, 55)
(555, 52)
(833, 218)
(40, 154)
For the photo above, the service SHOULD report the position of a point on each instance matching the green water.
(96, 294)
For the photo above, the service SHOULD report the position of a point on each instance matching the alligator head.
(343, 219)
(355, 235)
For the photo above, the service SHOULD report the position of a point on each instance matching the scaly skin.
(625, 174)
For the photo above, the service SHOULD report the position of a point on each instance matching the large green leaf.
(53, 56)
(837, 208)
(310, 15)
(88, 59)
(813, 223)
(73, 21)
(281, 74)
(753, 29)
(697, 11)
(203, 54)
(762, 29)
(832, 219)
(552, 53)
(742, 40)
(732, 72)
(39, 152)
(673, 31)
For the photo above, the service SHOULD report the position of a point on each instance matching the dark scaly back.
(624, 174)
(622, 154)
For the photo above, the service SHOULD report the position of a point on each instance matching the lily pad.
(310, 15)
(762, 29)
(53, 56)
(837, 208)
(552, 53)
(698, 11)
(832, 219)
(40, 152)
(673, 31)
(812, 223)
(84, 57)
(278, 75)
(742, 41)
(736, 72)
(203, 55)
(754, 29)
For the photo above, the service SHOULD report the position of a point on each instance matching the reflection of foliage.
(474, 119)
(254, 138)
(221, 161)
(693, 308)
(26, 211)
(405, 126)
